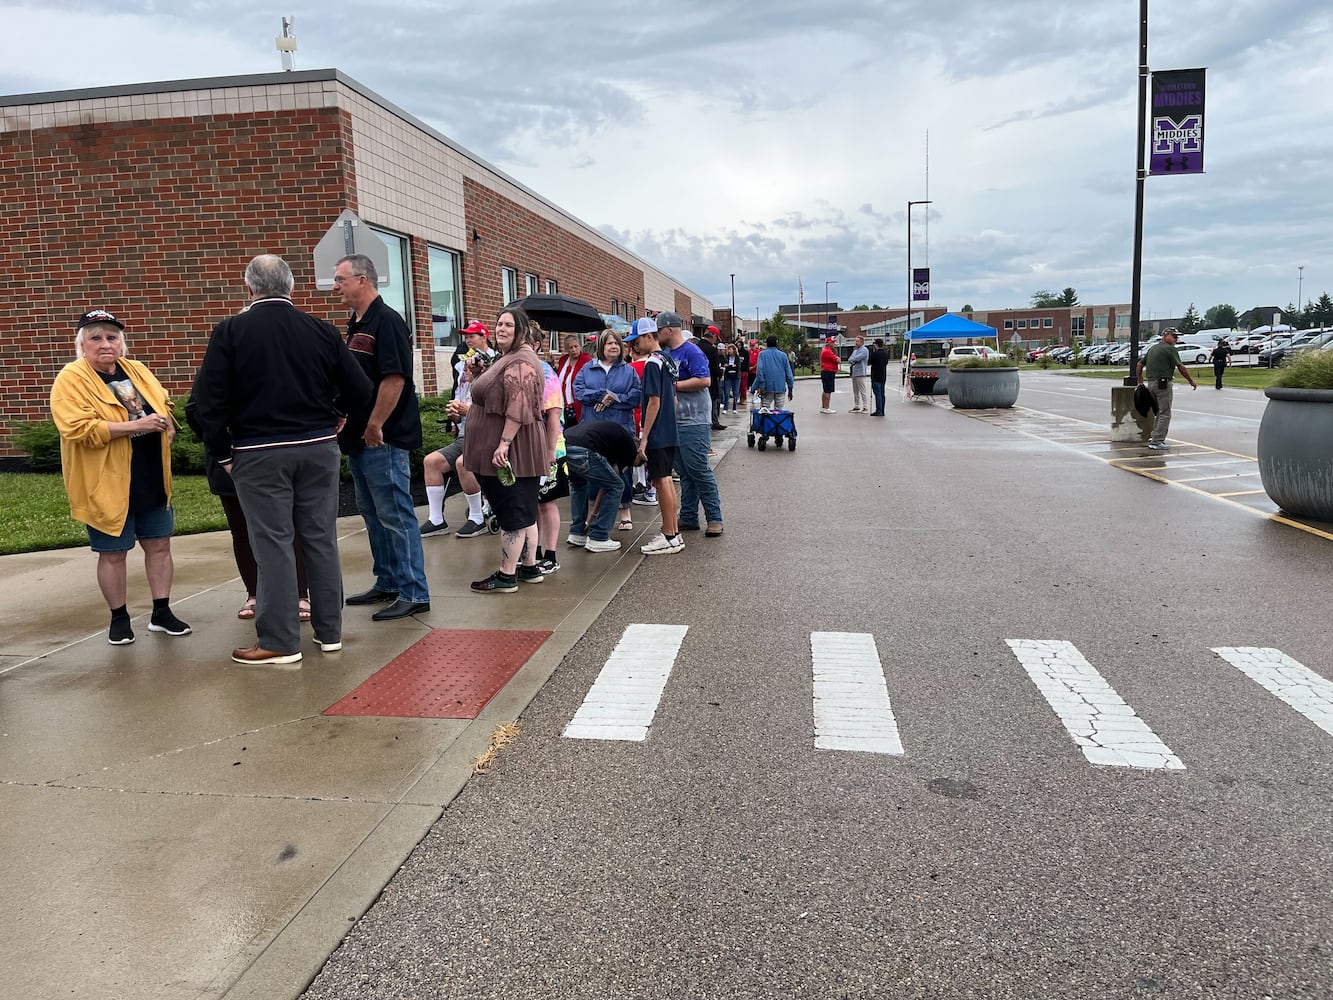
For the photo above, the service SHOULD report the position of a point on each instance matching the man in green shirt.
(1156, 369)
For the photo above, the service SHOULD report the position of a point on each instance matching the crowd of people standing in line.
(281, 395)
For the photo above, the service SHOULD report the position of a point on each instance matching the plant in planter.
(983, 383)
(1296, 437)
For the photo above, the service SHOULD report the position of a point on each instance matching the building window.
(445, 311)
(1122, 322)
(508, 285)
(397, 294)
(1099, 322)
(1047, 322)
(1076, 325)
(1008, 324)
(1023, 324)
(615, 307)
(530, 282)
(551, 288)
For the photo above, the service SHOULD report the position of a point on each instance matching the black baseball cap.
(98, 316)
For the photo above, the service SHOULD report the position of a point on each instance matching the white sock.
(435, 498)
(474, 506)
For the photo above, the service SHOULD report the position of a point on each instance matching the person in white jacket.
(860, 365)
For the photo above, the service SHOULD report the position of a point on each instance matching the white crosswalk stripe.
(1104, 727)
(1281, 676)
(624, 698)
(852, 710)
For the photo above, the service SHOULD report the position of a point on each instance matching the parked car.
(971, 351)
(1038, 353)
(1248, 343)
(1275, 355)
(1119, 355)
(1323, 339)
(1193, 354)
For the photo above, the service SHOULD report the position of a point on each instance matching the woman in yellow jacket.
(116, 430)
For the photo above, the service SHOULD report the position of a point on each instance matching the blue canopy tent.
(951, 326)
(933, 377)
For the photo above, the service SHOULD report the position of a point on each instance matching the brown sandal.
(247, 610)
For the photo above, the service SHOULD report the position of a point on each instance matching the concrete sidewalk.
(178, 825)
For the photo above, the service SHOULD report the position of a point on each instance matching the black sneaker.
(429, 527)
(496, 583)
(163, 620)
(689, 527)
(471, 530)
(548, 565)
(639, 489)
(530, 574)
(121, 632)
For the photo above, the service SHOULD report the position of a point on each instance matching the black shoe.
(688, 527)
(496, 583)
(163, 620)
(471, 530)
(531, 574)
(121, 632)
(719, 427)
(400, 608)
(429, 527)
(372, 596)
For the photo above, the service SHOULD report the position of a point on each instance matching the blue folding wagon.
(775, 424)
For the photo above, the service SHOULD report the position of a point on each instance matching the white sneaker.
(601, 545)
(578, 541)
(327, 647)
(827, 411)
(661, 545)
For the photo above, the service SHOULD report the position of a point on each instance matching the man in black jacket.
(708, 344)
(879, 375)
(273, 390)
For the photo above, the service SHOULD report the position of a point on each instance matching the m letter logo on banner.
(920, 284)
(1177, 122)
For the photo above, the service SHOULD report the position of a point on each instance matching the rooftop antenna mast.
(286, 44)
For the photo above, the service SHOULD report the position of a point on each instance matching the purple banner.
(920, 284)
(1177, 122)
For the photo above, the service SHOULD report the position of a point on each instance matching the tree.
(1191, 323)
(1221, 316)
(1044, 299)
(1069, 297)
(1322, 313)
(968, 308)
(861, 308)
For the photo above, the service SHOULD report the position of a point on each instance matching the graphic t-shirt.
(146, 489)
(553, 398)
(696, 406)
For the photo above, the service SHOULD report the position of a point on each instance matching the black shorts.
(827, 378)
(515, 506)
(555, 488)
(661, 461)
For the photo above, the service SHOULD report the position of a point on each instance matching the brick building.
(150, 199)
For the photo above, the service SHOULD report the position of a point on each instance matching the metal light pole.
(1140, 173)
(906, 336)
(1300, 284)
(826, 284)
(732, 331)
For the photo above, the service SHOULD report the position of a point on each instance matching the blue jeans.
(697, 485)
(877, 390)
(731, 390)
(383, 483)
(588, 473)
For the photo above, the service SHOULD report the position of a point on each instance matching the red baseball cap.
(477, 326)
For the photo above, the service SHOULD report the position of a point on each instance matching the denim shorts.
(159, 522)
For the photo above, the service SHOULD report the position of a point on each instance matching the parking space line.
(1239, 493)
(1293, 683)
(1105, 728)
(624, 698)
(851, 700)
(1204, 479)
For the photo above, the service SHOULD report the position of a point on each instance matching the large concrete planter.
(1296, 451)
(983, 388)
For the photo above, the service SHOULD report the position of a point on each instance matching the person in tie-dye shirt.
(556, 482)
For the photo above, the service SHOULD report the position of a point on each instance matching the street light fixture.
(1300, 285)
(909, 265)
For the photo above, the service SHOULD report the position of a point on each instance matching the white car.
(1193, 354)
(970, 352)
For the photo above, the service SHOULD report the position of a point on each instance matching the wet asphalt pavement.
(726, 857)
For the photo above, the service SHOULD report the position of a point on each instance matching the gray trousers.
(1163, 422)
(861, 392)
(284, 491)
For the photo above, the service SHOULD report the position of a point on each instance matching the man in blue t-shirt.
(694, 436)
(658, 438)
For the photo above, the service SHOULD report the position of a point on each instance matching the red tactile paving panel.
(449, 674)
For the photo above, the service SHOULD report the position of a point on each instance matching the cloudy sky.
(777, 138)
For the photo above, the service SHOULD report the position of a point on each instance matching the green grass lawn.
(37, 512)
(1235, 378)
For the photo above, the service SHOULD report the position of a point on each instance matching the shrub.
(187, 451)
(999, 361)
(1311, 369)
(40, 441)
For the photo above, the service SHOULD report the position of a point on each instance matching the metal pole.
(1140, 173)
(1300, 285)
(732, 331)
(906, 336)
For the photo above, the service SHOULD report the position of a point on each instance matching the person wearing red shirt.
(567, 369)
(828, 373)
(754, 366)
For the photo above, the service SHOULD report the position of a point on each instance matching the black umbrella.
(561, 312)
